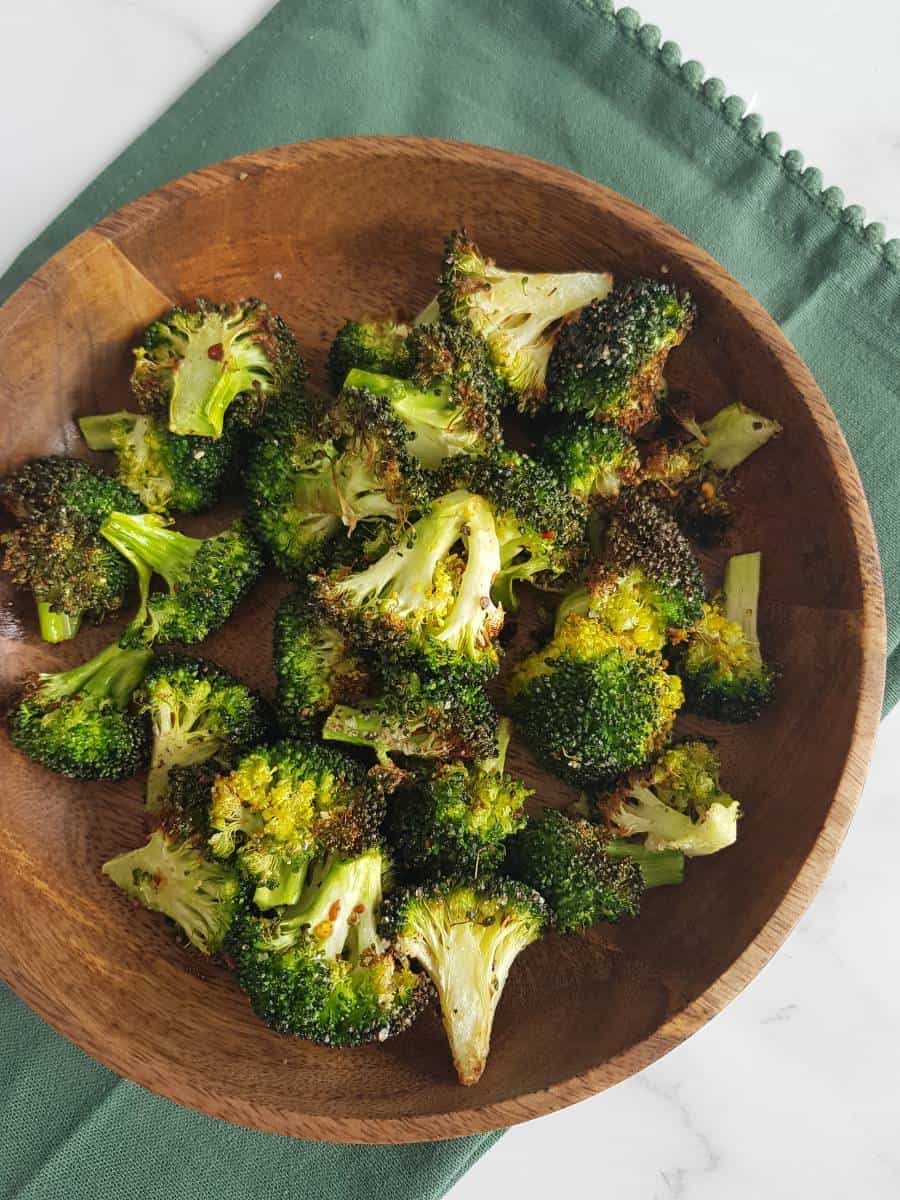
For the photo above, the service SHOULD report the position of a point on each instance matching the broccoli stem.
(56, 626)
(146, 542)
(741, 588)
(504, 735)
(339, 905)
(98, 430)
(733, 434)
(112, 675)
(359, 727)
(473, 608)
(658, 867)
(430, 313)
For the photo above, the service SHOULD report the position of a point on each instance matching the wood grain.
(327, 230)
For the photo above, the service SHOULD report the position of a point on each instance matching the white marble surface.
(793, 1091)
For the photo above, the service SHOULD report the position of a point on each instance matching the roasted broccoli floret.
(429, 596)
(540, 528)
(206, 577)
(176, 878)
(608, 363)
(314, 666)
(592, 461)
(201, 364)
(692, 477)
(517, 313)
(167, 472)
(320, 969)
(282, 805)
(458, 820)
(590, 704)
(56, 550)
(78, 722)
(184, 809)
(441, 715)
(197, 711)
(451, 401)
(567, 862)
(368, 345)
(721, 666)
(466, 934)
(675, 804)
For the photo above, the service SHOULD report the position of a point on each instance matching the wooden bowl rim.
(871, 682)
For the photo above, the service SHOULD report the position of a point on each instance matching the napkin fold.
(577, 84)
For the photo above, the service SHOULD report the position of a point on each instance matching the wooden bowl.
(337, 228)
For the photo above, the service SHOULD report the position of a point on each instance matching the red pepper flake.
(334, 911)
(548, 535)
(216, 352)
(358, 908)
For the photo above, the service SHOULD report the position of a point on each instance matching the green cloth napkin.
(574, 83)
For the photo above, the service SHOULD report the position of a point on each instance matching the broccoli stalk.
(658, 867)
(467, 935)
(741, 588)
(176, 879)
(56, 626)
(75, 722)
(206, 577)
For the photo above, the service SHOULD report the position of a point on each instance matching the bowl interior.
(331, 230)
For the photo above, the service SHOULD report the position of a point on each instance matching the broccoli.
(197, 711)
(320, 970)
(309, 478)
(77, 722)
(442, 715)
(368, 345)
(283, 804)
(166, 472)
(590, 704)
(177, 879)
(184, 809)
(56, 550)
(567, 862)
(539, 526)
(314, 666)
(592, 461)
(461, 816)
(608, 363)
(675, 804)
(206, 577)
(421, 598)
(692, 476)
(466, 934)
(516, 313)
(450, 403)
(199, 365)
(721, 666)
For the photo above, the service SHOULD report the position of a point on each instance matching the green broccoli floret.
(314, 666)
(368, 345)
(77, 722)
(320, 970)
(282, 805)
(166, 472)
(56, 550)
(466, 934)
(422, 597)
(441, 715)
(540, 528)
(592, 461)
(450, 403)
(675, 804)
(184, 808)
(721, 666)
(517, 313)
(567, 862)
(461, 815)
(692, 477)
(198, 365)
(590, 704)
(608, 363)
(177, 879)
(197, 711)
(206, 577)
